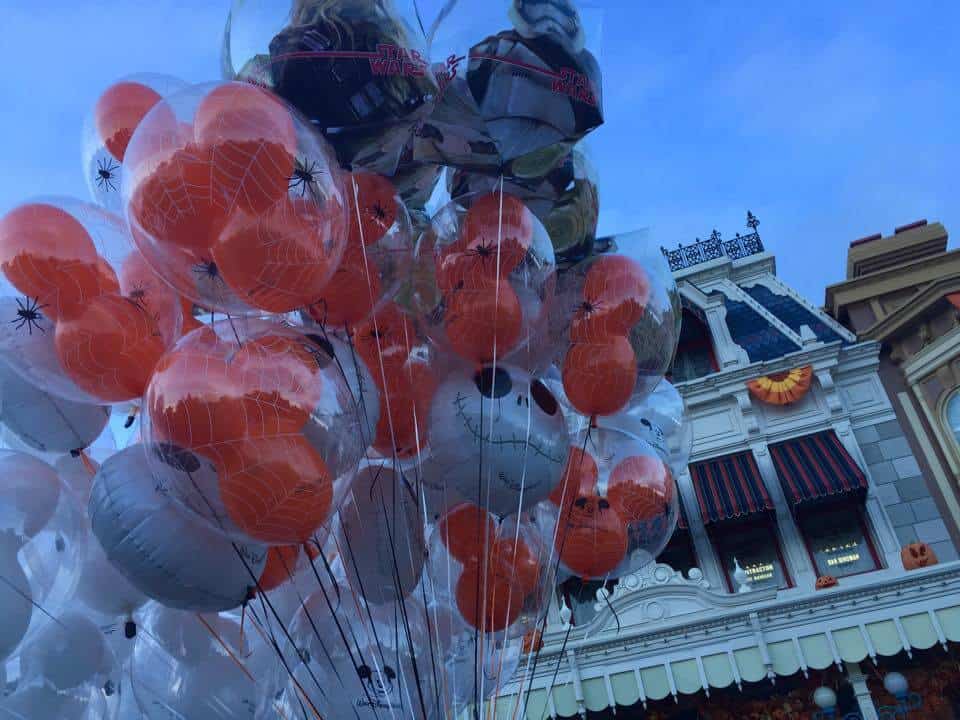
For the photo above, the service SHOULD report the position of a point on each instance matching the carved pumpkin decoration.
(782, 388)
(917, 555)
(826, 581)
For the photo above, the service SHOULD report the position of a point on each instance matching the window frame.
(858, 511)
(767, 522)
(952, 396)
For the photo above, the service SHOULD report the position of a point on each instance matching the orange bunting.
(109, 347)
(782, 388)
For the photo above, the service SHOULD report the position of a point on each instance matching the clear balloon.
(67, 653)
(516, 79)
(108, 127)
(263, 423)
(235, 200)
(383, 665)
(44, 701)
(625, 325)
(380, 535)
(497, 440)
(615, 508)
(166, 552)
(81, 326)
(357, 70)
(46, 422)
(486, 282)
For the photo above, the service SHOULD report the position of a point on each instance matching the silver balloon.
(168, 554)
(504, 454)
(381, 535)
(46, 422)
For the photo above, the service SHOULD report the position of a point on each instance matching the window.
(679, 553)
(581, 596)
(694, 357)
(953, 415)
(755, 549)
(838, 541)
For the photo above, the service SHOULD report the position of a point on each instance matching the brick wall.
(902, 489)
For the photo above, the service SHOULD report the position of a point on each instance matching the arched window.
(953, 415)
(695, 357)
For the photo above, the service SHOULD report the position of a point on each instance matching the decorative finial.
(715, 236)
(752, 221)
(565, 612)
(741, 577)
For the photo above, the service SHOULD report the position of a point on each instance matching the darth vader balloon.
(497, 439)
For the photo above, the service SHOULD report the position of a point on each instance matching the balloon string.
(87, 463)
(243, 618)
(229, 652)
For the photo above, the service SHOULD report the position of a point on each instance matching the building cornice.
(903, 317)
(940, 351)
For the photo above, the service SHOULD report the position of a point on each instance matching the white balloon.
(29, 492)
(67, 653)
(42, 701)
(15, 595)
(165, 551)
(103, 588)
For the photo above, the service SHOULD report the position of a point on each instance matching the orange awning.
(782, 388)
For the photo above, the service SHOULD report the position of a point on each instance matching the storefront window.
(678, 553)
(838, 541)
(581, 597)
(754, 549)
(953, 415)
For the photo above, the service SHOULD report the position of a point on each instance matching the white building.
(788, 493)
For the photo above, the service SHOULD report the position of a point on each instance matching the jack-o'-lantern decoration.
(825, 581)
(782, 388)
(917, 555)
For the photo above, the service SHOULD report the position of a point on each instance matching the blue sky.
(828, 120)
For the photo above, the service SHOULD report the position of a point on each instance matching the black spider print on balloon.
(207, 269)
(106, 174)
(304, 177)
(378, 212)
(29, 314)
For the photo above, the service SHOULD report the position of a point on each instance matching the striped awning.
(729, 487)
(816, 467)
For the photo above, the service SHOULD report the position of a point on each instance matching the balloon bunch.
(290, 441)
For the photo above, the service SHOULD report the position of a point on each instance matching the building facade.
(804, 561)
(903, 291)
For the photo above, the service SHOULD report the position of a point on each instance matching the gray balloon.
(46, 422)
(497, 439)
(382, 543)
(165, 551)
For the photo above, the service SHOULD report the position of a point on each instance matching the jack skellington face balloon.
(497, 439)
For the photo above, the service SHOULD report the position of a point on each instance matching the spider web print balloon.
(259, 411)
(615, 508)
(235, 200)
(109, 126)
(486, 282)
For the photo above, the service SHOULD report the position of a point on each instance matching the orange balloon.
(487, 602)
(405, 409)
(615, 293)
(118, 112)
(281, 562)
(253, 142)
(280, 384)
(490, 223)
(109, 348)
(275, 260)
(196, 399)
(377, 207)
(513, 560)
(175, 202)
(467, 530)
(107, 278)
(579, 477)
(386, 339)
(141, 284)
(598, 377)
(353, 290)
(640, 488)
(48, 255)
(484, 323)
(591, 538)
(277, 490)
(190, 322)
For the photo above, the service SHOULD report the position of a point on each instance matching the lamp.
(896, 684)
(825, 699)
